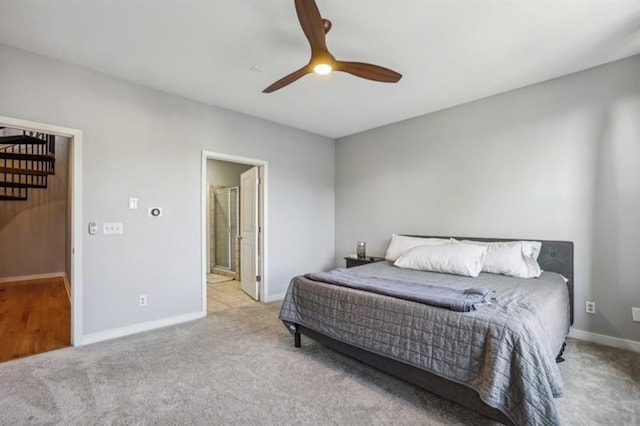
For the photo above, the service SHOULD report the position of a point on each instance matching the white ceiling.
(226, 52)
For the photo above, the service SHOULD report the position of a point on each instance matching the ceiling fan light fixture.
(322, 69)
(322, 62)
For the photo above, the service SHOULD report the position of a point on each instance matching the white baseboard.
(275, 297)
(32, 277)
(615, 342)
(137, 328)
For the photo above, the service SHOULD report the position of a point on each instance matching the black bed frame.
(555, 256)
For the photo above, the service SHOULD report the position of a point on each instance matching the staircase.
(26, 161)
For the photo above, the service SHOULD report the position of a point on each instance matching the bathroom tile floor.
(227, 295)
(216, 278)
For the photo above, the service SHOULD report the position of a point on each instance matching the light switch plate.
(133, 203)
(635, 314)
(112, 228)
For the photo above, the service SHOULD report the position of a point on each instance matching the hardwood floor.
(35, 317)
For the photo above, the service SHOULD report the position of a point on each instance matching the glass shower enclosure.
(226, 220)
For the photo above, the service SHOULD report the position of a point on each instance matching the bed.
(499, 360)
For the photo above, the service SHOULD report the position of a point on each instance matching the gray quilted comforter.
(461, 300)
(505, 351)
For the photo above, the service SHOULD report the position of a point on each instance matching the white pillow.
(513, 258)
(531, 248)
(459, 259)
(400, 244)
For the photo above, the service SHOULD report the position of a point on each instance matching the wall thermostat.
(155, 211)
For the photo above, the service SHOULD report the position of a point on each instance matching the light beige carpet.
(240, 367)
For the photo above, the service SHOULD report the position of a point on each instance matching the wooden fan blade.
(327, 25)
(284, 81)
(312, 24)
(368, 71)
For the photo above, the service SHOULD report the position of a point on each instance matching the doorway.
(234, 231)
(70, 273)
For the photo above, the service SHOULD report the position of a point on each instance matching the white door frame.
(263, 167)
(75, 251)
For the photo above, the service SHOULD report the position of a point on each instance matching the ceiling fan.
(322, 62)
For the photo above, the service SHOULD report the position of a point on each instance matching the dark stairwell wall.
(33, 233)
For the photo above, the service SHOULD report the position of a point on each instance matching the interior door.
(249, 232)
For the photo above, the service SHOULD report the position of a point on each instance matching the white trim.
(264, 201)
(602, 339)
(275, 297)
(33, 277)
(204, 186)
(138, 328)
(208, 228)
(75, 167)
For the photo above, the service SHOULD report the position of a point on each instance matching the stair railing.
(25, 162)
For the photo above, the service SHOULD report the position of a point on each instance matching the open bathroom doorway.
(234, 206)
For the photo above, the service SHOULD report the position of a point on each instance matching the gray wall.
(145, 143)
(557, 160)
(33, 233)
(225, 173)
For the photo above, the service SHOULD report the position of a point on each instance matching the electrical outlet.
(112, 228)
(142, 300)
(635, 314)
(590, 307)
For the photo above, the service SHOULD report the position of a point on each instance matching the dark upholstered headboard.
(555, 256)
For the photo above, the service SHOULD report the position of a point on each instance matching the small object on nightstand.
(355, 261)
(361, 249)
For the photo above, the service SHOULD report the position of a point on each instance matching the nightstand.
(354, 261)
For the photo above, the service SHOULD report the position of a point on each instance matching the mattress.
(504, 351)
